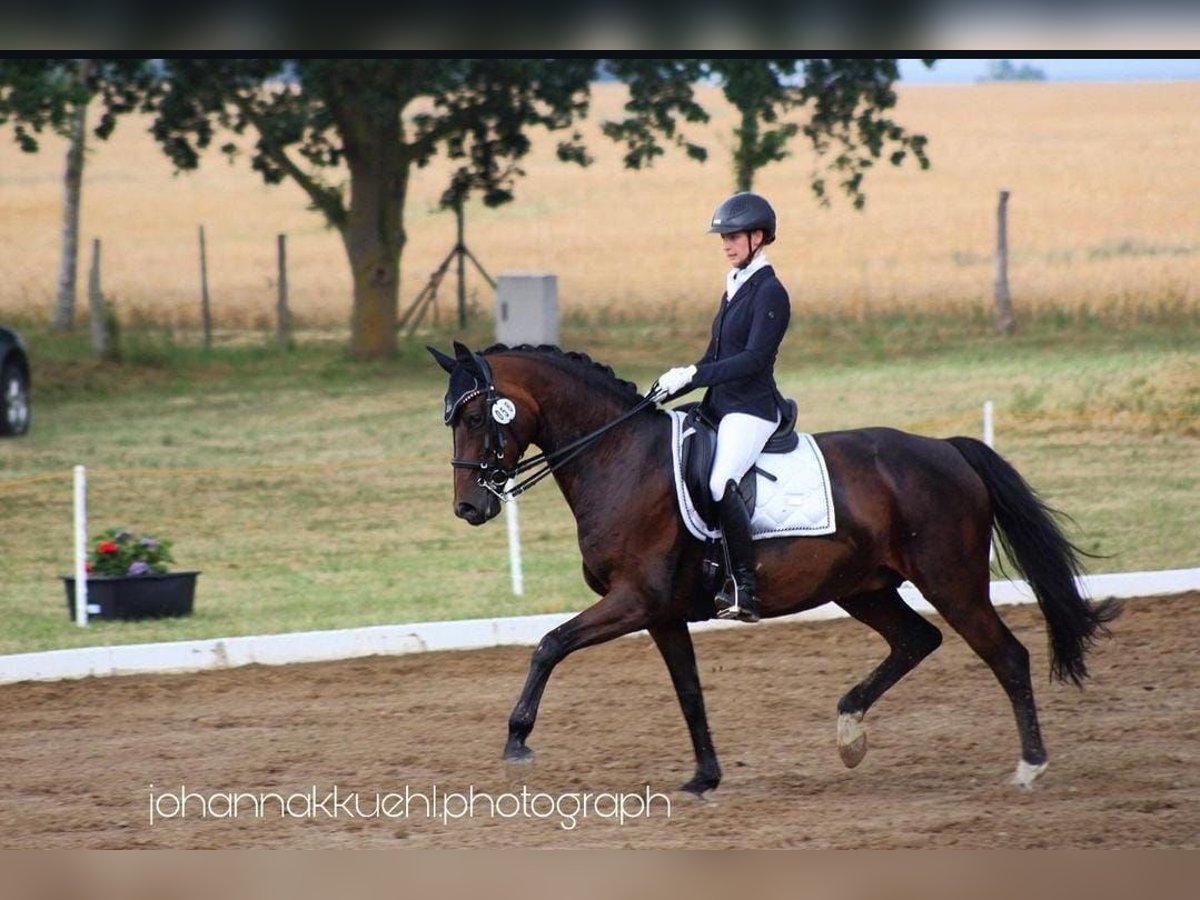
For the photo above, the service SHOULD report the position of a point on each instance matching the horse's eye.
(474, 420)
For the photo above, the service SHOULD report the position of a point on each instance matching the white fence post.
(81, 598)
(514, 544)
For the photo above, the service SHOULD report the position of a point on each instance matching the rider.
(738, 370)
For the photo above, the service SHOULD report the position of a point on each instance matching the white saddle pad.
(797, 503)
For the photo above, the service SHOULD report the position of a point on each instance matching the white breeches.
(740, 439)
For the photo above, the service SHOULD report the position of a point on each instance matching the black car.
(14, 384)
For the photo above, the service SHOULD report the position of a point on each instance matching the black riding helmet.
(744, 211)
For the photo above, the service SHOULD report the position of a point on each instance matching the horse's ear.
(446, 362)
(466, 358)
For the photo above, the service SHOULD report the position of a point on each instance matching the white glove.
(675, 380)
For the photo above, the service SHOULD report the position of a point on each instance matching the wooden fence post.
(1004, 314)
(283, 324)
(96, 305)
(205, 313)
(105, 334)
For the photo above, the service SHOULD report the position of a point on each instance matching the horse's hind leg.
(964, 602)
(910, 639)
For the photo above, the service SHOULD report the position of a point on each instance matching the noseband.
(493, 475)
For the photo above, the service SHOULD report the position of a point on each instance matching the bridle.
(493, 475)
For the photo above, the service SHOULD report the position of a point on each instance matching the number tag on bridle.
(504, 411)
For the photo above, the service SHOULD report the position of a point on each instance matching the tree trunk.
(744, 152)
(64, 306)
(375, 266)
(374, 232)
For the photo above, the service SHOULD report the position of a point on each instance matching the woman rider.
(738, 370)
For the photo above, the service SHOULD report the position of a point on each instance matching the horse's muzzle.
(474, 515)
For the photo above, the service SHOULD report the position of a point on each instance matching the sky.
(1056, 69)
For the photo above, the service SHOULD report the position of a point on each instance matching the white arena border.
(468, 634)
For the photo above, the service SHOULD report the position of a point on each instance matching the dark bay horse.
(908, 508)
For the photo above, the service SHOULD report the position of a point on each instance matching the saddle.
(700, 449)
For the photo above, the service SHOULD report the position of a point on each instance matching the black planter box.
(136, 597)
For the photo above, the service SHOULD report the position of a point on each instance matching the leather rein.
(493, 474)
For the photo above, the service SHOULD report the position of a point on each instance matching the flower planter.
(136, 597)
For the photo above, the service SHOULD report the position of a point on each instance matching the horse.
(908, 508)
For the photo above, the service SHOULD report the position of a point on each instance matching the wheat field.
(1103, 215)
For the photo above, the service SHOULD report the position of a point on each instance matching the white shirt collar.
(735, 278)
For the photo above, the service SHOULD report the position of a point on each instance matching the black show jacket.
(738, 367)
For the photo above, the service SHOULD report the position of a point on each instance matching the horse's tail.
(1041, 552)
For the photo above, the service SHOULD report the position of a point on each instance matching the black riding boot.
(737, 599)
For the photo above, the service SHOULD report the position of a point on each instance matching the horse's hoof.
(699, 786)
(518, 755)
(1027, 773)
(851, 739)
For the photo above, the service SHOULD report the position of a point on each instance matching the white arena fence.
(468, 634)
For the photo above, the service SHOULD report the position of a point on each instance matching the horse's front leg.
(621, 611)
(675, 643)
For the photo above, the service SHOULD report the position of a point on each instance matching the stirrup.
(735, 611)
(738, 614)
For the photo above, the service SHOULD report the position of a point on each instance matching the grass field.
(314, 492)
(1103, 218)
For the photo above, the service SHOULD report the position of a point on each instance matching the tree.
(1004, 70)
(844, 101)
(39, 94)
(759, 90)
(378, 117)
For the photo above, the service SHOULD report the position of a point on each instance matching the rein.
(492, 473)
(563, 455)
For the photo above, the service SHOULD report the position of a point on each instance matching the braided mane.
(596, 373)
